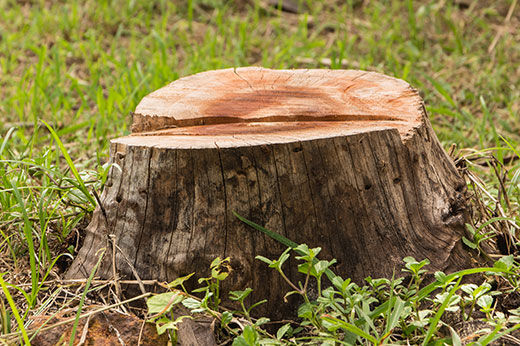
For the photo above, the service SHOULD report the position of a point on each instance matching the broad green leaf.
(283, 329)
(305, 311)
(440, 276)
(226, 318)
(240, 341)
(163, 301)
(469, 243)
(468, 288)
(306, 267)
(165, 323)
(395, 315)
(261, 321)
(505, 262)
(180, 281)
(217, 262)
(322, 265)
(250, 335)
(161, 328)
(240, 295)
(455, 338)
(191, 303)
(485, 302)
(471, 229)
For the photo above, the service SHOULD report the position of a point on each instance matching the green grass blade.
(27, 228)
(393, 319)
(16, 314)
(5, 319)
(278, 237)
(442, 90)
(494, 219)
(350, 327)
(73, 169)
(424, 292)
(281, 239)
(496, 335)
(435, 321)
(511, 146)
(434, 285)
(83, 296)
(6, 139)
(369, 321)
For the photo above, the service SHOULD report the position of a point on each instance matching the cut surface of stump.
(341, 159)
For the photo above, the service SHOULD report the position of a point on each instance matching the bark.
(344, 160)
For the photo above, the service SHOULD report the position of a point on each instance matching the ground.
(82, 66)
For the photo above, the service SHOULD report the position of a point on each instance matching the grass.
(71, 72)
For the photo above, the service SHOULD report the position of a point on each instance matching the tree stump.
(341, 159)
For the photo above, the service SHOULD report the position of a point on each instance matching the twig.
(72, 319)
(481, 188)
(142, 329)
(500, 256)
(506, 159)
(25, 124)
(132, 268)
(516, 341)
(501, 179)
(34, 219)
(117, 299)
(84, 333)
(72, 282)
(100, 205)
(326, 62)
(500, 30)
(114, 269)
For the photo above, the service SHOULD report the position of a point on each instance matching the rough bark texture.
(344, 160)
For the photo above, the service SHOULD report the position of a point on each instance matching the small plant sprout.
(220, 269)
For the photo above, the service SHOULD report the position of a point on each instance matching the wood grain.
(344, 160)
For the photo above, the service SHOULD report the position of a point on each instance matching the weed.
(71, 73)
